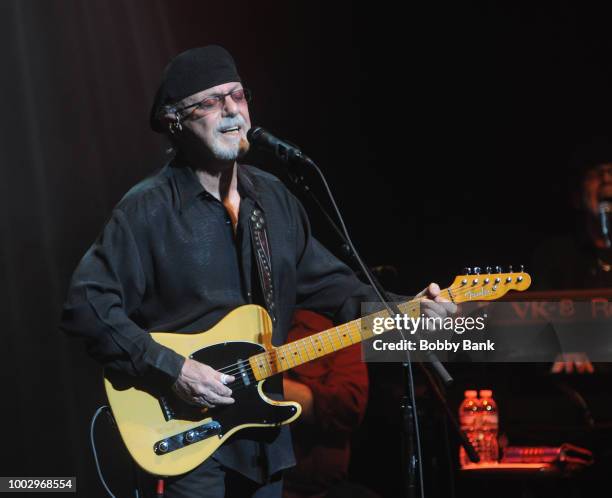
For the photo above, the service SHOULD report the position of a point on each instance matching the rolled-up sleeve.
(106, 289)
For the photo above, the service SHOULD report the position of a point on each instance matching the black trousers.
(213, 480)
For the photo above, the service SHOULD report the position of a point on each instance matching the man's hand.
(572, 362)
(434, 305)
(201, 385)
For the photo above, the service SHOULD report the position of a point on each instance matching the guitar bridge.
(187, 438)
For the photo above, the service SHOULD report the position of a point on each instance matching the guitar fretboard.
(328, 341)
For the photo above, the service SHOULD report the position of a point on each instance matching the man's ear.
(170, 119)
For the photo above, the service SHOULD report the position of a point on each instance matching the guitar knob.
(477, 270)
(190, 436)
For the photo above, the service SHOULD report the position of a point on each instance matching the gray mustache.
(231, 121)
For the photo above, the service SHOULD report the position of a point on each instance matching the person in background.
(333, 392)
(582, 258)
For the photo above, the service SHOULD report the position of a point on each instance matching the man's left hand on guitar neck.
(433, 304)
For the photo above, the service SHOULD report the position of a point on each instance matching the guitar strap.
(261, 247)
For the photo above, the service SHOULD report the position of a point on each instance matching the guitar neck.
(468, 287)
(328, 341)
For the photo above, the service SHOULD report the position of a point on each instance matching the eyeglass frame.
(220, 98)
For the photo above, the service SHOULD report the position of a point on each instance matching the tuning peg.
(488, 269)
(467, 270)
(477, 270)
(498, 269)
(509, 268)
(522, 268)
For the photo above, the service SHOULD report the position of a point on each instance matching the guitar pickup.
(187, 438)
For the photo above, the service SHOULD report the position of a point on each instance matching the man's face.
(219, 124)
(597, 187)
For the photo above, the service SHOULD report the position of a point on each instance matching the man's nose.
(230, 108)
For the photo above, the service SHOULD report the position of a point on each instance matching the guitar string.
(244, 385)
(236, 368)
(249, 369)
(268, 355)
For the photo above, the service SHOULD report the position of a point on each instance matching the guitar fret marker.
(313, 347)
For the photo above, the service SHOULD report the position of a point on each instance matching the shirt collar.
(189, 187)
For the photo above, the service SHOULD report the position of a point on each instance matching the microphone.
(605, 211)
(285, 151)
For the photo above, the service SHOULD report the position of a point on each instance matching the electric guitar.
(167, 436)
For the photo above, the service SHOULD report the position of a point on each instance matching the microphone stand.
(411, 459)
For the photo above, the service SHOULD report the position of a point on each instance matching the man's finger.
(449, 306)
(225, 379)
(215, 386)
(557, 366)
(433, 290)
(201, 401)
(433, 309)
(213, 397)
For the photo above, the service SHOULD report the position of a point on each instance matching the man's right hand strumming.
(201, 385)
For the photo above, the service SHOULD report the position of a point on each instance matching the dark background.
(445, 133)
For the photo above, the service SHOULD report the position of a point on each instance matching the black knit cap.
(191, 72)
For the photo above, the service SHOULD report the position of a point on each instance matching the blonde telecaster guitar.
(167, 436)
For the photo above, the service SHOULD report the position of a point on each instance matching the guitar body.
(166, 436)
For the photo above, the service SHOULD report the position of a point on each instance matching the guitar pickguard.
(249, 406)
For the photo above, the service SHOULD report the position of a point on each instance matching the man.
(176, 255)
(582, 258)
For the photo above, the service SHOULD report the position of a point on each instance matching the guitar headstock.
(492, 283)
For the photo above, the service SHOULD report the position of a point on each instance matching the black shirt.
(168, 260)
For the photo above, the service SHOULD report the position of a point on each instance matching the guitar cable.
(93, 446)
(95, 453)
(160, 483)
